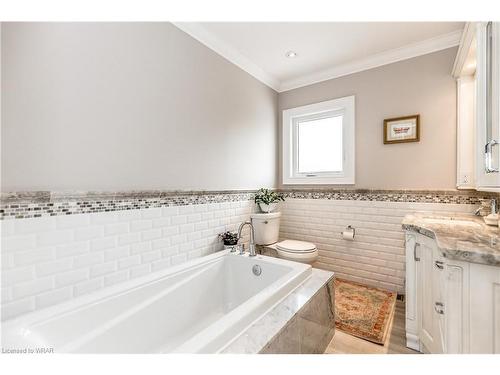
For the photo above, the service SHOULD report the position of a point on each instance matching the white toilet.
(267, 227)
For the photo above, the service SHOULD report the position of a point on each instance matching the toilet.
(266, 228)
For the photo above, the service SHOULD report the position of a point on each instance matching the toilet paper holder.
(349, 228)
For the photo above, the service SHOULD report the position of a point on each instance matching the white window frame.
(344, 106)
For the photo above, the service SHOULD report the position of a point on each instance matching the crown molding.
(387, 57)
(464, 47)
(202, 35)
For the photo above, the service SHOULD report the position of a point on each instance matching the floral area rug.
(363, 311)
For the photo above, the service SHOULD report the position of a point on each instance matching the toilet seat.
(292, 246)
(298, 251)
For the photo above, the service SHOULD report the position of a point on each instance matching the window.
(318, 143)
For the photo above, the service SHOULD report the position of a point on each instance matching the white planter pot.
(268, 207)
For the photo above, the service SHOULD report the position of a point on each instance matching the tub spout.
(251, 247)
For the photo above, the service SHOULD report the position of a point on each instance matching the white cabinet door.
(426, 294)
(412, 323)
(425, 327)
(440, 306)
(488, 107)
(484, 308)
(456, 299)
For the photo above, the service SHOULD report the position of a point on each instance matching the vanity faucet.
(252, 241)
(493, 205)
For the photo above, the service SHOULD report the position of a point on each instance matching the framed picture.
(402, 129)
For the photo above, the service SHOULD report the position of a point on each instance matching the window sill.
(319, 180)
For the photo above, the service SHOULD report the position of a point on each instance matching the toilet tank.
(266, 227)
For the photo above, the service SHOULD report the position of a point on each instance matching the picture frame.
(402, 129)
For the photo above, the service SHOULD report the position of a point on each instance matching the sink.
(452, 221)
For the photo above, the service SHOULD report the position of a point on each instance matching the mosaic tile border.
(20, 205)
(42, 204)
(411, 196)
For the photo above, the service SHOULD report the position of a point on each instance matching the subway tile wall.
(377, 256)
(53, 251)
(49, 260)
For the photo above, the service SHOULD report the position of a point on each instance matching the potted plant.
(229, 238)
(268, 200)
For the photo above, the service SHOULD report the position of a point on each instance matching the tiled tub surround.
(51, 259)
(303, 322)
(377, 255)
(459, 237)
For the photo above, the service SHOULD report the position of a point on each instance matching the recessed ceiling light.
(291, 54)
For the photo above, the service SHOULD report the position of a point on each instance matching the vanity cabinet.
(451, 306)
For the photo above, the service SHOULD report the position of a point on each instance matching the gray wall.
(420, 85)
(121, 106)
(129, 106)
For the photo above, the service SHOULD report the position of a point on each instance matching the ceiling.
(324, 50)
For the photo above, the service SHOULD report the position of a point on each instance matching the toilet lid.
(296, 246)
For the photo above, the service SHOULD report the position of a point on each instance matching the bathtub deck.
(299, 324)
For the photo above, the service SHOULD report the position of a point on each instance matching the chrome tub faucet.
(252, 240)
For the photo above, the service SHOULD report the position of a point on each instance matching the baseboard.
(412, 342)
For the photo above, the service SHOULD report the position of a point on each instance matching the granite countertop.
(459, 237)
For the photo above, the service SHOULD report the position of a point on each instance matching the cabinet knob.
(439, 264)
(488, 158)
(439, 307)
(415, 258)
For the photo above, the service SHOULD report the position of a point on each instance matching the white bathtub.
(198, 307)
